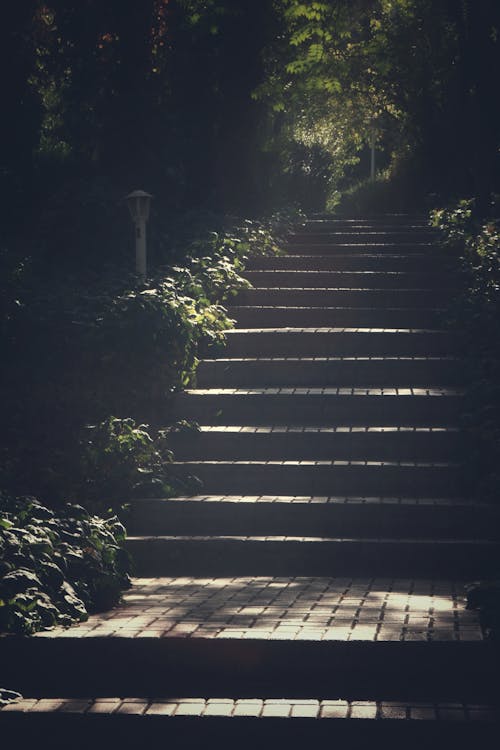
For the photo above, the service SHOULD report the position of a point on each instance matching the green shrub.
(8, 696)
(476, 314)
(120, 460)
(457, 224)
(485, 598)
(55, 569)
(78, 348)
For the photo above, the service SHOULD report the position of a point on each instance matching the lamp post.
(373, 141)
(139, 203)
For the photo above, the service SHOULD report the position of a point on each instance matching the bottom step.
(396, 639)
(223, 722)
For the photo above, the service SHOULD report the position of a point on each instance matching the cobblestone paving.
(304, 608)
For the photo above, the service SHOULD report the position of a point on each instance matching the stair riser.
(364, 225)
(395, 218)
(316, 411)
(360, 247)
(245, 558)
(221, 667)
(358, 344)
(124, 731)
(388, 446)
(269, 479)
(370, 521)
(361, 280)
(309, 317)
(364, 236)
(363, 262)
(370, 373)
(415, 298)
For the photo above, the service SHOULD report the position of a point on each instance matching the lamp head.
(139, 203)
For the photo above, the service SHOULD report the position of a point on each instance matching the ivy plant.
(56, 568)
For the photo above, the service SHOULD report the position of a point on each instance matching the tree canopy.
(232, 103)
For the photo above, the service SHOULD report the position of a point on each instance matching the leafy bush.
(79, 348)
(55, 569)
(120, 459)
(71, 364)
(477, 314)
(485, 597)
(457, 223)
(8, 696)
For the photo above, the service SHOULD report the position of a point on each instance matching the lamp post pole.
(141, 265)
(139, 203)
(372, 155)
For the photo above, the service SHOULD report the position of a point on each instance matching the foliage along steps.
(321, 573)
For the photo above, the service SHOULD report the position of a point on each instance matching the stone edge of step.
(257, 708)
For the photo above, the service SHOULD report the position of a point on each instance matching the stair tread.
(339, 330)
(399, 244)
(282, 429)
(312, 539)
(293, 607)
(419, 391)
(374, 358)
(420, 310)
(323, 288)
(333, 358)
(336, 463)
(425, 502)
(364, 274)
(378, 256)
(260, 708)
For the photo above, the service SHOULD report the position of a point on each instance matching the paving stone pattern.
(288, 608)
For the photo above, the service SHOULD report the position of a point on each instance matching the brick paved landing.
(304, 608)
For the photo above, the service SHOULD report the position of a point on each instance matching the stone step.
(281, 515)
(327, 341)
(330, 371)
(317, 443)
(413, 262)
(287, 316)
(311, 556)
(363, 225)
(403, 640)
(347, 297)
(391, 220)
(404, 479)
(364, 279)
(396, 638)
(226, 722)
(316, 246)
(365, 235)
(418, 407)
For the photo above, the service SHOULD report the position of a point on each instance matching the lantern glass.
(143, 208)
(139, 203)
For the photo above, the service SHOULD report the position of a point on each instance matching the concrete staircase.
(319, 577)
